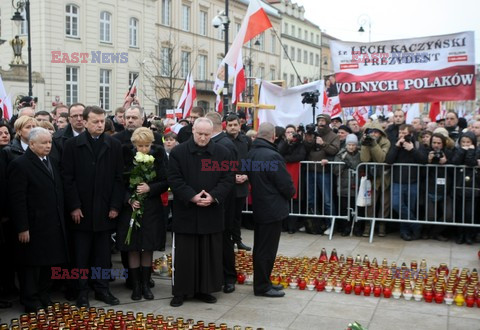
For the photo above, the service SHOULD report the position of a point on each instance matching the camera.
(310, 97)
(301, 128)
(437, 154)
(311, 129)
(408, 138)
(216, 22)
(296, 138)
(367, 141)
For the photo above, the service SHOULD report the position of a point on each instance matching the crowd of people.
(69, 191)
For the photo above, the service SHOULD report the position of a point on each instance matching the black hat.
(26, 101)
(345, 128)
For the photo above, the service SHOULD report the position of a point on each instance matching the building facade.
(89, 51)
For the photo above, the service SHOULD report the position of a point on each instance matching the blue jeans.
(404, 201)
(323, 184)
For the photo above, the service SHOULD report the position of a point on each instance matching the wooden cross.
(256, 106)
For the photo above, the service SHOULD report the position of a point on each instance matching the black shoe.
(146, 292)
(107, 298)
(291, 232)
(406, 237)
(277, 287)
(82, 301)
(468, 239)
(242, 246)
(205, 297)
(151, 283)
(176, 301)
(134, 274)
(440, 238)
(228, 288)
(460, 239)
(272, 293)
(345, 233)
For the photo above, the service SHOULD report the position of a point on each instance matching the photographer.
(324, 146)
(439, 181)
(293, 151)
(374, 149)
(404, 180)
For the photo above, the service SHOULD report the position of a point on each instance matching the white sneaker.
(328, 231)
(302, 229)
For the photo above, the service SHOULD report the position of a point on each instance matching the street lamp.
(223, 19)
(362, 20)
(18, 19)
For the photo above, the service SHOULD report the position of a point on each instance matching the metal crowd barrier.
(433, 194)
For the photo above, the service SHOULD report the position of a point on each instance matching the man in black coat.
(36, 202)
(229, 272)
(75, 127)
(133, 120)
(272, 188)
(186, 131)
(199, 187)
(242, 142)
(393, 130)
(92, 170)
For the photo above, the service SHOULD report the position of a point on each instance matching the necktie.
(45, 162)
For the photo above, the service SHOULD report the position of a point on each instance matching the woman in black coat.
(144, 239)
(19, 144)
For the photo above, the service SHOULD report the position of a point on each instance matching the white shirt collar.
(75, 133)
(24, 145)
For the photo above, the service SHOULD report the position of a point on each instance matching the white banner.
(436, 68)
(288, 102)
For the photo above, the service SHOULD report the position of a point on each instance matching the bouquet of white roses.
(143, 171)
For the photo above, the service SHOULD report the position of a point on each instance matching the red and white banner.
(6, 106)
(429, 69)
(331, 106)
(189, 95)
(239, 84)
(131, 93)
(361, 115)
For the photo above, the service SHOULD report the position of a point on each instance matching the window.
(71, 21)
(285, 28)
(71, 85)
(204, 104)
(203, 21)
(105, 24)
(293, 30)
(131, 77)
(305, 57)
(299, 55)
(165, 61)
(299, 35)
(185, 64)
(311, 37)
(202, 67)
(317, 60)
(272, 74)
(133, 32)
(221, 33)
(274, 44)
(185, 18)
(306, 35)
(292, 80)
(311, 58)
(292, 53)
(261, 72)
(318, 39)
(105, 76)
(237, 29)
(285, 51)
(166, 8)
(285, 78)
(261, 40)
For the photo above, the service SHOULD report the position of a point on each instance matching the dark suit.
(36, 201)
(272, 189)
(92, 172)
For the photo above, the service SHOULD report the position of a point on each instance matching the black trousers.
(92, 249)
(265, 246)
(237, 220)
(35, 283)
(229, 272)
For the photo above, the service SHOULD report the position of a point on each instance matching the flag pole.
(288, 56)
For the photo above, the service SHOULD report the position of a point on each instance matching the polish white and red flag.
(5, 102)
(361, 115)
(255, 22)
(131, 93)
(427, 69)
(189, 95)
(239, 84)
(331, 106)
